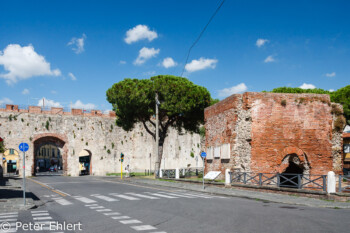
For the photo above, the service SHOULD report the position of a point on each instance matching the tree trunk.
(160, 156)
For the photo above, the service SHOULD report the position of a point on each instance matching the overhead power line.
(200, 35)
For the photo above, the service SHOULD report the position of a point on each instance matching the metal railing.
(169, 173)
(287, 180)
(191, 172)
(344, 183)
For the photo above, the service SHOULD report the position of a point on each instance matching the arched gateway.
(50, 154)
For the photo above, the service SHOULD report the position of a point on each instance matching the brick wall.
(263, 128)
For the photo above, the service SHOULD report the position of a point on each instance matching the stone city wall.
(94, 132)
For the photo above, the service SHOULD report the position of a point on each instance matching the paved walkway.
(11, 195)
(256, 195)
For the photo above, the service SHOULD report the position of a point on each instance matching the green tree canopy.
(341, 96)
(182, 104)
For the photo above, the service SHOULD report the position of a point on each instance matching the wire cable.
(200, 35)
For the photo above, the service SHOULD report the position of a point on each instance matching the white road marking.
(9, 220)
(84, 199)
(104, 210)
(42, 218)
(105, 198)
(8, 216)
(63, 192)
(121, 217)
(91, 205)
(114, 213)
(141, 195)
(132, 221)
(62, 201)
(126, 197)
(161, 195)
(198, 195)
(10, 213)
(40, 214)
(143, 228)
(96, 207)
(39, 211)
(177, 195)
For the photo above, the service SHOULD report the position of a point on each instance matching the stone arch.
(86, 153)
(51, 138)
(294, 155)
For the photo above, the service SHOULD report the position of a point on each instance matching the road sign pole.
(203, 173)
(121, 170)
(24, 178)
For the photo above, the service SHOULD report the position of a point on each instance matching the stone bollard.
(331, 182)
(160, 173)
(177, 173)
(227, 177)
(183, 171)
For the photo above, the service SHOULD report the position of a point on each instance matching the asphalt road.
(103, 204)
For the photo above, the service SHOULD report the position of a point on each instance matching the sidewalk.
(255, 195)
(11, 195)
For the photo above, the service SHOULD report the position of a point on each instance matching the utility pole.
(157, 137)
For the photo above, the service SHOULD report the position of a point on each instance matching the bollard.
(227, 177)
(160, 173)
(331, 183)
(177, 173)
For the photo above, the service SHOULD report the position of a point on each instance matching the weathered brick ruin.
(265, 132)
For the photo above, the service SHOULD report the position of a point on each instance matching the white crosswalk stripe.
(96, 207)
(132, 221)
(40, 214)
(143, 196)
(177, 195)
(113, 213)
(10, 213)
(105, 198)
(121, 217)
(126, 197)
(104, 210)
(62, 201)
(8, 216)
(143, 228)
(198, 195)
(161, 195)
(84, 199)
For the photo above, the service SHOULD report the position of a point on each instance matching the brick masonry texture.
(267, 130)
(96, 133)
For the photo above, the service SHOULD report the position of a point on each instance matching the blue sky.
(71, 52)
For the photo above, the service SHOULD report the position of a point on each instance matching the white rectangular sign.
(212, 175)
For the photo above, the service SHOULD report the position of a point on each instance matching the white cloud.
(330, 75)
(25, 91)
(331, 90)
(269, 59)
(54, 92)
(201, 64)
(24, 63)
(5, 101)
(233, 90)
(307, 86)
(72, 76)
(122, 62)
(168, 62)
(145, 54)
(80, 105)
(48, 103)
(140, 32)
(149, 73)
(261, 42)
(77, 44)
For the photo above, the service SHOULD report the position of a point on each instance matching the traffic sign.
(23, 147)
(203, 154)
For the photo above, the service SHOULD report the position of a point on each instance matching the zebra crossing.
(43, 218)
(8, 222)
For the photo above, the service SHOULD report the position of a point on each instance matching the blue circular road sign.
(23, 147)
(203, 154)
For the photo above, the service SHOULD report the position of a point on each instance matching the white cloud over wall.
(233, 90)
(80, 105)
(307, 86)
(23, 63)
(201, 64)
(5, 101)
(48, 103)
(168, 62)
(140, 32)
(77, 44)
(146, 54)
